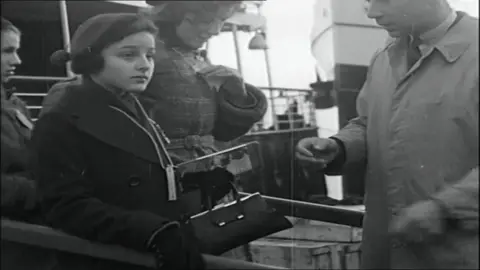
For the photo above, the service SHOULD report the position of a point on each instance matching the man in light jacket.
(417, 133)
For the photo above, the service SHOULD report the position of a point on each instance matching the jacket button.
(134, 181)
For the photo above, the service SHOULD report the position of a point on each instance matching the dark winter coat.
(99, 174)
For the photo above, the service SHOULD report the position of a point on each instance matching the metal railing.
(279, 101)
(296, 104)
(314, 211)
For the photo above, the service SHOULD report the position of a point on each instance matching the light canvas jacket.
(417, 131)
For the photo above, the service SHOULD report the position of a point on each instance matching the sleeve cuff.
(243, 98)
(151, 240)
(247, 101)
(335, 167)
(354, 149)
(243, 114)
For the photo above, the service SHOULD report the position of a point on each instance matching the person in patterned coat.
(201, 107)
(197, 104)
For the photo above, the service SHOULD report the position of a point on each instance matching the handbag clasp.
(223, 223)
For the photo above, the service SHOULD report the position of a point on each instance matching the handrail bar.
(282, 131)
(39, 78)
(30, 94)
(314, 211)
(45, 237)
(285, 89)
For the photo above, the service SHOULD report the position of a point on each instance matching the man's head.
(196, 21)
(407, 17)
(10, 46)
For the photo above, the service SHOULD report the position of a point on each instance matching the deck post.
(65, 32)
(237, 48)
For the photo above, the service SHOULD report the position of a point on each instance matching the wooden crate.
(311, 245)
(306, 254)
(311, 230)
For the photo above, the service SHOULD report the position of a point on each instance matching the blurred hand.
(317, 151)
(419, 222)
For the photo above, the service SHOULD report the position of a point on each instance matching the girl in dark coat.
(19, 197)
(98, 157)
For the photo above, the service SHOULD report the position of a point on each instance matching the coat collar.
(431, 37)
(457, 40)
(99, 113)
(453, 44)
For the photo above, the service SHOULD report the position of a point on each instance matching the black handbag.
(230, 225)
(237, 223)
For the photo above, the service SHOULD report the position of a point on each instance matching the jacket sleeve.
(236, 116)
(22, 106)
(460, 201)
(352, 138)
(68, 199)
(17, 189)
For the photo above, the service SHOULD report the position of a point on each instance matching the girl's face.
(10, 58)
(129, 63)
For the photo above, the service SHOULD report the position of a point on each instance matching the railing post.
(65, 32)
(237, 48)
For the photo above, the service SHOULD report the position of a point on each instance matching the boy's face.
(10, 58)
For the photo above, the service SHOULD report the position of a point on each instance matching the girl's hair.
(89, 60)
(8, 26)
(93, 62)
(174, 11)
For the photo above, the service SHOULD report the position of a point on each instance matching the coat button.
(134, 181)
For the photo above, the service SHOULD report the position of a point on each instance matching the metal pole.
(65, 32)
(267, 65)
(237, 48)
(269, 72)
(314, 211)
(270, 86)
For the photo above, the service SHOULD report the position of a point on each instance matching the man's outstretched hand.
(317, 151)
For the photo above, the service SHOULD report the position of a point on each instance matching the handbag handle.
(239, 214)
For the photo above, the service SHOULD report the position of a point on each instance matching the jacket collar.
(456, 40)
(431, 37)
(453, 44)
(99, 113)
